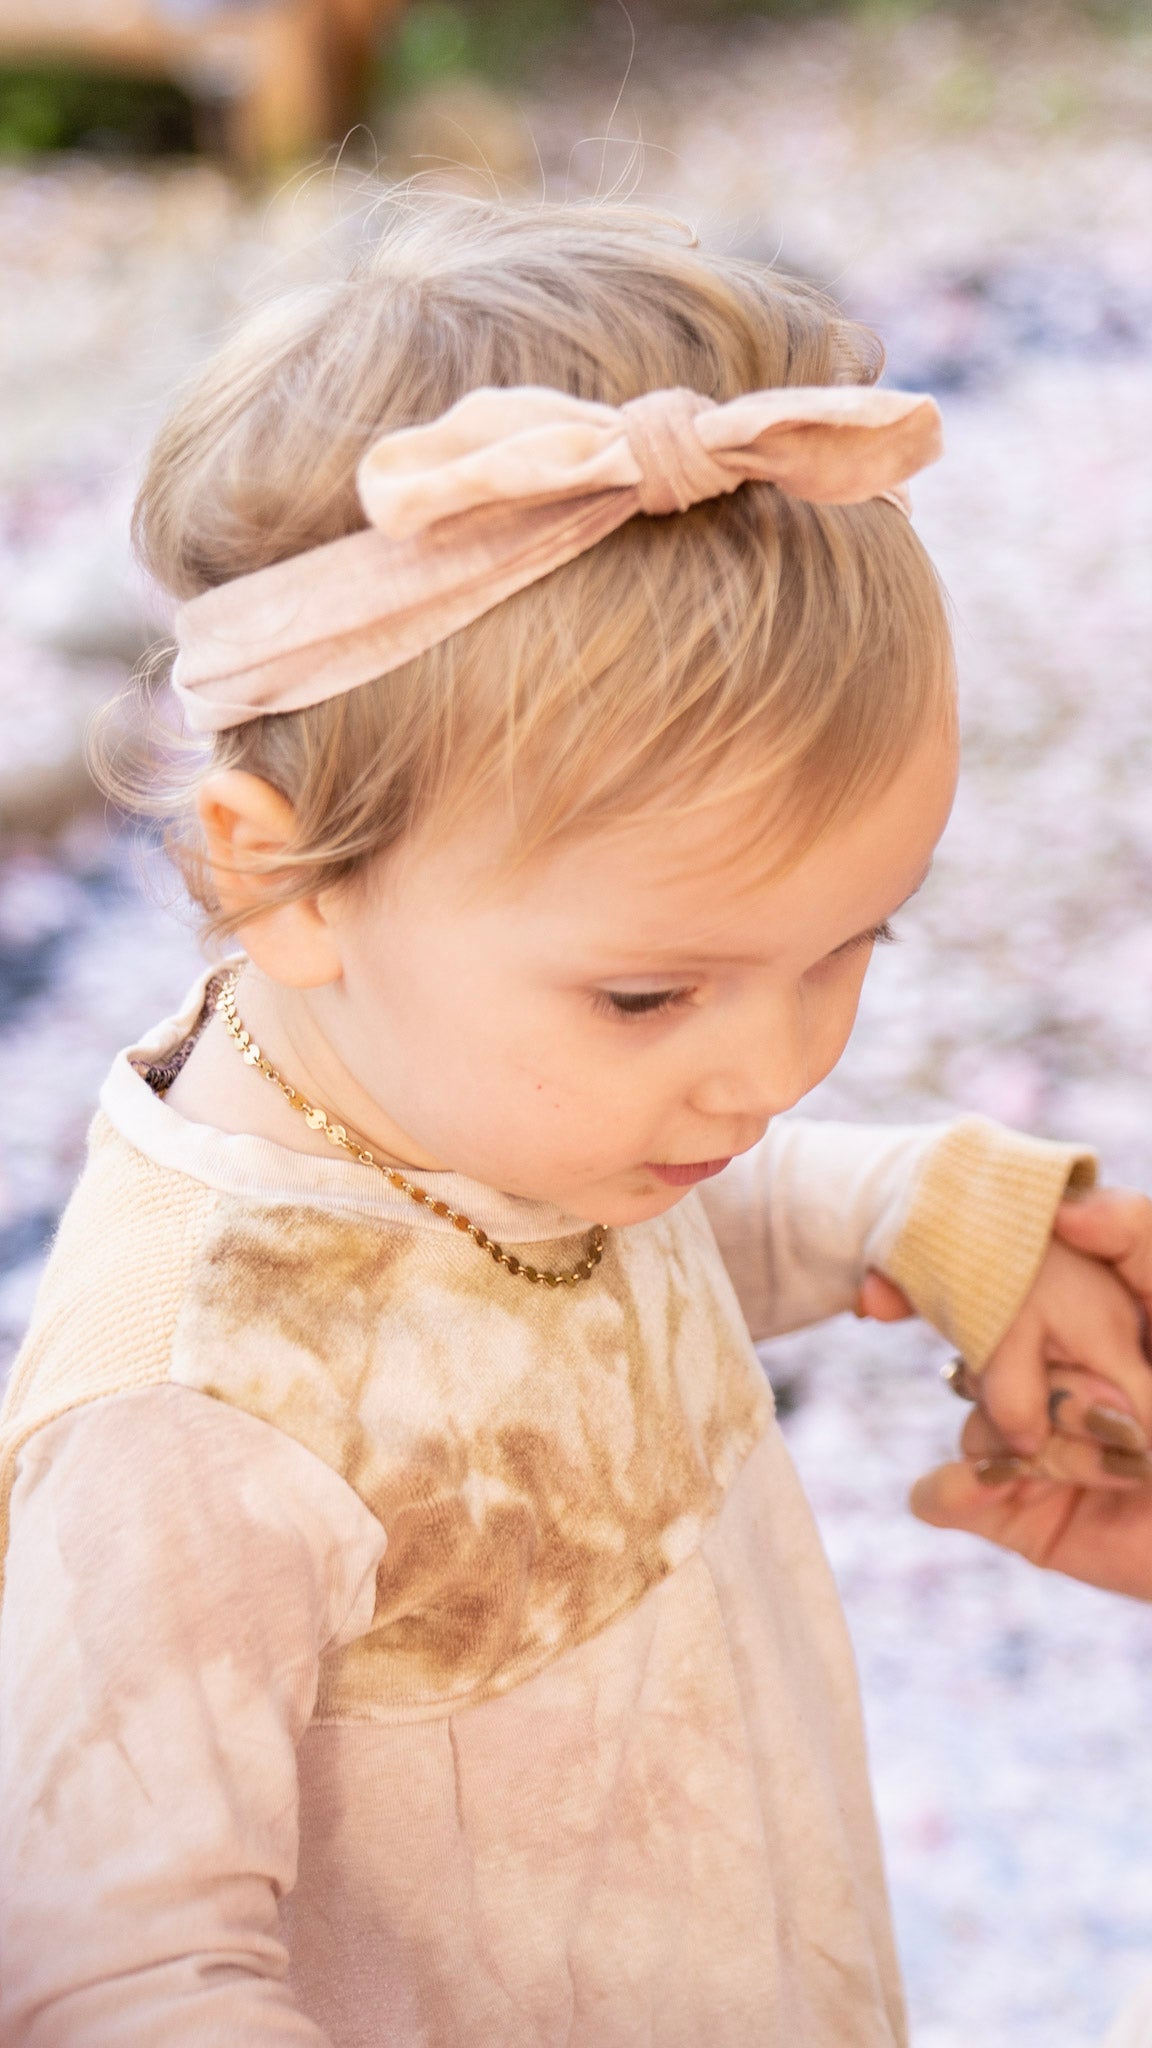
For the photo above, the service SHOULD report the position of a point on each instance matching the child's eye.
(613, 1002)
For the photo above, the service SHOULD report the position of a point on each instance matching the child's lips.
(687, 1176)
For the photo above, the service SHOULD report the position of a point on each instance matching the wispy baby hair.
(759, 651)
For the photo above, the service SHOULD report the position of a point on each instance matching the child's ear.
(244, 820)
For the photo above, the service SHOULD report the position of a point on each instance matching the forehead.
(707, 883)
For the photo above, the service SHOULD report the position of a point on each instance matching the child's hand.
(1078, 1313)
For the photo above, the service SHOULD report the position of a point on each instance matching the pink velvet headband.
(497, 493)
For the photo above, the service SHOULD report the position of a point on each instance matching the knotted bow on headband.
(497, 493)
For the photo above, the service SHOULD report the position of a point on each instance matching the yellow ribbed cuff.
(978, 1228)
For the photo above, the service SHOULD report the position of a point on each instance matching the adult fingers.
(1086, 1405)
(952, 1497)
(1016, 1515)
(1108, 1351)
(1113, 1224)
(1102, 1538)
(1073, 1461)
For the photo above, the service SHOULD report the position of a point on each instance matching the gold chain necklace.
(336, 1134)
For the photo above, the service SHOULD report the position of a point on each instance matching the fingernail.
(999, 1471)
(955, 1375)
(1112, 1426)
(1127, 1465)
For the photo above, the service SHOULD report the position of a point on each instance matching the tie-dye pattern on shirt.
(538, 1458)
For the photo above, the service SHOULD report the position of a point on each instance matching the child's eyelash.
(620, 1003)
(880, 935)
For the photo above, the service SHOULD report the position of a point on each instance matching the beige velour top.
(397, 1655)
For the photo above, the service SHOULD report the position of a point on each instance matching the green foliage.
(60, 106)
(964, 96)
(436, 40)
(442, 39)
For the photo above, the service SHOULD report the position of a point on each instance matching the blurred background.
(977, 180)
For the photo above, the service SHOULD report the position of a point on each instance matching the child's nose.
(761, 1070)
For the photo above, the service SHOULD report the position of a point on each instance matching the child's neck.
(216, 1086)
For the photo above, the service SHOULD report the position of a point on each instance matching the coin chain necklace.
(336, 1134)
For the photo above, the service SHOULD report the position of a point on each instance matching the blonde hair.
(754, 645)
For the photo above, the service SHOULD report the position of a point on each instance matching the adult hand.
(1102, 1537)
(1113, 1224)
(1083, 1507)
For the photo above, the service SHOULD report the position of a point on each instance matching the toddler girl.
(414, 1632)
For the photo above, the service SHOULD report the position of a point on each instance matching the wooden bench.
(281, 77)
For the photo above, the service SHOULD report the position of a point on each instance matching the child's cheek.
(830, 1015)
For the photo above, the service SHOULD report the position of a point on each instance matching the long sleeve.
(175, 1570)
(1132, 2027)
(957, 1214)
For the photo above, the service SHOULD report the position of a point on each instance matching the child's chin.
(617, 1209)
